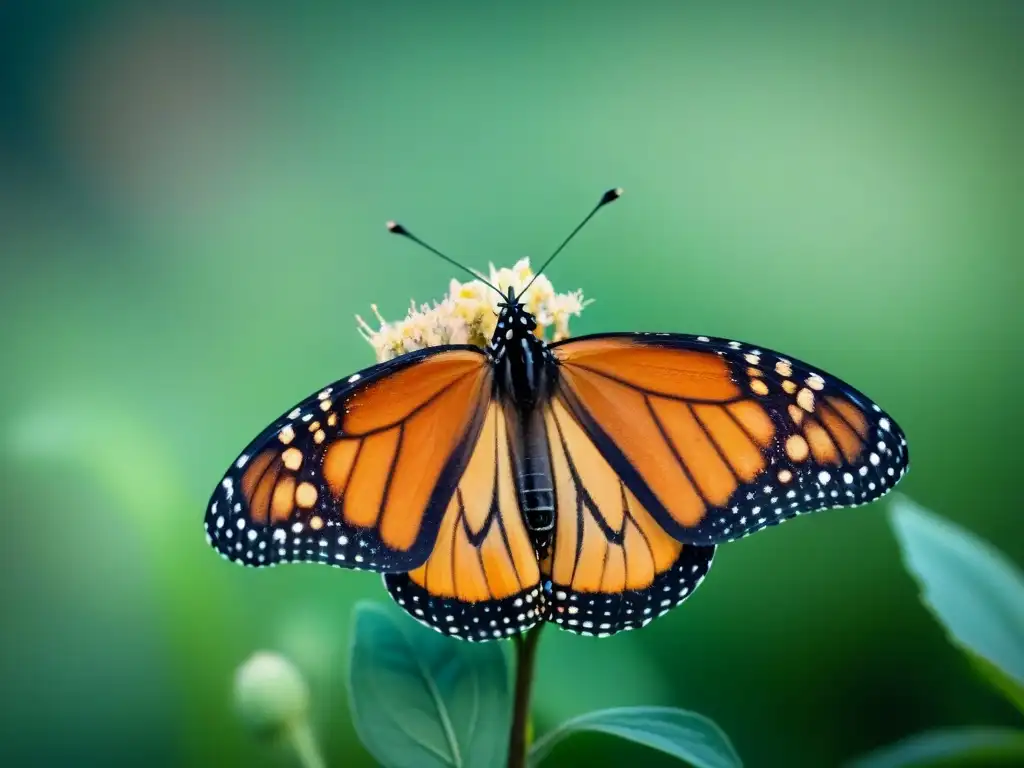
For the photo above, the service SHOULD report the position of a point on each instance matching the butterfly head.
(515, 323)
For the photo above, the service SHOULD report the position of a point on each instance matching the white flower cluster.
(468, 313)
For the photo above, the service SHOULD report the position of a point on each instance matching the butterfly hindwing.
(718, 439)
(359, 474)
(481, 581)
(612, 567)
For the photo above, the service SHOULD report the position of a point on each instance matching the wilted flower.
(469, 311)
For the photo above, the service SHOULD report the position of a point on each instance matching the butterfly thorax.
(524, 374)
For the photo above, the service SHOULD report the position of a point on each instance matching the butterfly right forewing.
(719, 439)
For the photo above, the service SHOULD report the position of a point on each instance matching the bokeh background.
(192, 199)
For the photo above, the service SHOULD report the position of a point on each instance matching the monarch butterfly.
(585, 482)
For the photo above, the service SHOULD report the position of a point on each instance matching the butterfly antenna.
(397, 229)
(608, 197)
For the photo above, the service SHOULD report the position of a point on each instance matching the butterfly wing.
(481, 582)
(358, 475)
(718, 439)
(612, 567)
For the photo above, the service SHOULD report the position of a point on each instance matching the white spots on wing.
(815, 382)
(805, 399)
(354, 378)
(305, 495)
(824, 477)
(873, 458)
(884, 424)
(292, 458)
(241, 460)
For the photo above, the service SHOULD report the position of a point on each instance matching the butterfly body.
(586, 482)
(526, 373)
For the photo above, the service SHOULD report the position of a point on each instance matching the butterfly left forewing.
(718, 438)
(359, 474)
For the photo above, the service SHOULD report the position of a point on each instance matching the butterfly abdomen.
(531, 469)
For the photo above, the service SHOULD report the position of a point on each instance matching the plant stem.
(526, 655)
(304, 743)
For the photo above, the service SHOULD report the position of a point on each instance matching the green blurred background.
(192, 199)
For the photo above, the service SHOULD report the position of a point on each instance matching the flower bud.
(270, 694)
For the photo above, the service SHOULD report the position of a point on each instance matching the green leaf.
(952, 747)
(420, 699)
(686, 735)
(971, 587)
(999, 680)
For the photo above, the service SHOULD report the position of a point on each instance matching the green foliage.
(999, 680)
(686, 735)
(422, 700)
(978, 596)
(972, 588)
(952, 747)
